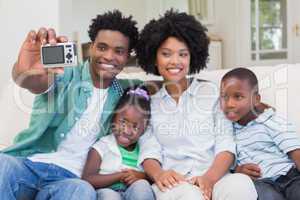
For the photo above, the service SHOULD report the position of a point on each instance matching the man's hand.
(250, 169)
(205, 185)
(28, 70)
(130, 176)
(30, 57)
(168, 179)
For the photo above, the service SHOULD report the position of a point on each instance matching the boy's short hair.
(243, 74)
(115, 21)
(180, 25)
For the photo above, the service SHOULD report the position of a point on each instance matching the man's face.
(238, 100)
(108, 55)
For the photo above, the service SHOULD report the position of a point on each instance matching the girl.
(189, 148)
(111, 166)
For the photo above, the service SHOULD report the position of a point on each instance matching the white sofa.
(279, 87)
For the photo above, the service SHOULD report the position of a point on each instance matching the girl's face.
(129, 125)
(173, 60)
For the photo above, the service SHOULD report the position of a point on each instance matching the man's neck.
(102, 83)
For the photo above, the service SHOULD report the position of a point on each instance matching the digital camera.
(59, 55)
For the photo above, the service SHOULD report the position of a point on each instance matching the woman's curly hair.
(173, 24)
(114, 20)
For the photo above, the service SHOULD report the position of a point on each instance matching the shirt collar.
(86, 76)
(191, 90)
(262, 118)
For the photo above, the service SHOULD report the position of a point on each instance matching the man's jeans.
(284, 188)
(139, 190)
(23, 179)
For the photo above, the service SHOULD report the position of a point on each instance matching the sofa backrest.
(279, 87)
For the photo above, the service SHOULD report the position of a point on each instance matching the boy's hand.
(168, 179)
(205, 185)
(130, 176)
(250, 169)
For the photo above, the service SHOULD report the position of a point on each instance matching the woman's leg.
(234, 187)
(183, 191)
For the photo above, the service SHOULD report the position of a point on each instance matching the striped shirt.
(266, 141)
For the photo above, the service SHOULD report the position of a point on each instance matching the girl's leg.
(139, 190)
(108, 194)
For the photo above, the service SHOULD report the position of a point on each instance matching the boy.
(268, 148)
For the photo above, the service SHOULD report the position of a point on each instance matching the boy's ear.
(257, 100)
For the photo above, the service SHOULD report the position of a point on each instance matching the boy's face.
(238, 100)
(108, 54)
(128, 125)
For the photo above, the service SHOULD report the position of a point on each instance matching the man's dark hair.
(173, 24)
(243, 74)
(115, 21)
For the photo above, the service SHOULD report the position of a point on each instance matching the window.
(268, 30)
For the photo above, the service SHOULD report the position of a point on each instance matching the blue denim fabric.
(139, 190)
(286, 187)
(23, 179)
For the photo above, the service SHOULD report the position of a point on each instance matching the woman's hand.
(205, 185)
(168, 179)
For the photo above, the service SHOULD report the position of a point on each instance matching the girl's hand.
(205, 185)
(168, 179)
(130, 176)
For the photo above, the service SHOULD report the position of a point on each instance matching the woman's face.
(173, 60)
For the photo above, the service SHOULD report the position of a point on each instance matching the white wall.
(84, 11)
(17, 18)
(226, 25)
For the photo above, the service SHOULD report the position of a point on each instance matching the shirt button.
(62, 135)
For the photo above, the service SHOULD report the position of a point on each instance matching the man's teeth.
(107, 66)
(174, 71)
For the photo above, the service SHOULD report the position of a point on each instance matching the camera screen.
(53, 55)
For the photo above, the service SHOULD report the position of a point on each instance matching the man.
(71, 111)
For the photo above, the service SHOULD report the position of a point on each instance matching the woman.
(189, 148)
